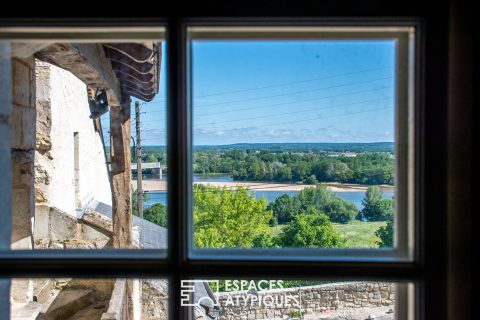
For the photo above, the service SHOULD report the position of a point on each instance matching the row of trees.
(365, 168)
(285, 208)
(225, 218)
(375, 208)
(265, 165)
(151, 154)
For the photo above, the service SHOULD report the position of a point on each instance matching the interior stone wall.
(62, 111)
(22, 134)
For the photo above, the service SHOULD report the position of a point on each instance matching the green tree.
(284, 174)
(134, 201)
(385, 233)
(310, 179)
(339, 210)
(310, 229)
(226, 218)
(375, 208)
(299, 170)
(282, 208)
(264, 240)
(372, 195)
(326, 201)
(384, 209)
(151, 158)
(156, 214)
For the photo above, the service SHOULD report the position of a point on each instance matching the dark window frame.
(427, 272)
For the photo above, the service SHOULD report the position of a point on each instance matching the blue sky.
(285, 91)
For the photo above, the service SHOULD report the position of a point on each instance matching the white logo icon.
(195, 293)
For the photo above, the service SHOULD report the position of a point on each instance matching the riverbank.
(161, 186)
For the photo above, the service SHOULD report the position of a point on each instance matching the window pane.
(80, 299)
(75, 109)
(294, 299)
(295, 141)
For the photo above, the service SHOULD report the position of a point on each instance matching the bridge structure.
(156, 166)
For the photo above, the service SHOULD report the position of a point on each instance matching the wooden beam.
(121, 175)
(117, 305)
(88, 63)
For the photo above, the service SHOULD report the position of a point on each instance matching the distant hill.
(304, 147)
(295, 147)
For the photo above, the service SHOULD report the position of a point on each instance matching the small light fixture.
(98, 103)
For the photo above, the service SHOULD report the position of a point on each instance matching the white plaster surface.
(70, 113)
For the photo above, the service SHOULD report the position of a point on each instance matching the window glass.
(76, 108)
(94, 298)
(295, 141)
(294, 299)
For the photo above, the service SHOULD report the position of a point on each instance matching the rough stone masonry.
(282, 303)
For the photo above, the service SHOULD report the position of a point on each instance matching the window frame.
(405, 61)
(177, 266)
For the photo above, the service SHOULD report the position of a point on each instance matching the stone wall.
(22, 135)
(154, 301)
(280, 303)
(55, 229)
(62, 112)
(22, 151)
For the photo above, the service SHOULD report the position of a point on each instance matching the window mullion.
(178, 157)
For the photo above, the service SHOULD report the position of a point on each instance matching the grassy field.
(358, 234)
(277, 229)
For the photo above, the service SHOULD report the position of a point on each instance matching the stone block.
(22, 211)
(41, 175)
(62, 226)
(22, 169)
(22, 128)
(5, 82)
(42, 289)
(21, 290)
(270, 313)
(43, 126)
(56, 245)
(100, 221)
(40, 196)
(41, 230)
(43, 84)
(23, 82)
(92, 233)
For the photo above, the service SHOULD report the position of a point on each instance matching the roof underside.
(122, 69)
(136, 65)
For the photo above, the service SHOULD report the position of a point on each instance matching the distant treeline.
(291, 147)
(369, 163)
(364, 168)
(302, 147)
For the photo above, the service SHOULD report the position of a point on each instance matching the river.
(354, 197)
